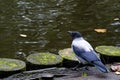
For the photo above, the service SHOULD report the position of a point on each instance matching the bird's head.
(75, 34)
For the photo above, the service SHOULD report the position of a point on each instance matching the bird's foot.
(81, 68)
(76, 68)
(84, 68)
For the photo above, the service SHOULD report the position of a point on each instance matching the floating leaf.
(100, 30)
(116, 19)
(23, 35)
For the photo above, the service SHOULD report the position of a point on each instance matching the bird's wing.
(100, 66)
(89, 56)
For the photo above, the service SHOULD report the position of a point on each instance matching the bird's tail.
(100, 66)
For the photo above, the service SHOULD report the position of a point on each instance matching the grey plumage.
(84, 50)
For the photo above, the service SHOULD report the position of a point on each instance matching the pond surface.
(42, 25)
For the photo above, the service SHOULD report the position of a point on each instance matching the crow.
(83, 50)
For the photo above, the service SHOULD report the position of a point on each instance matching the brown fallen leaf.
(23, 35)
(100, 30)
(116, 68)
(118, 73)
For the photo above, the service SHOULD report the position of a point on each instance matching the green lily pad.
(44, 59)
(11, 64)
(68, 54)
(108, 50)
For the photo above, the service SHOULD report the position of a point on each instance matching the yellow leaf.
(100, 30)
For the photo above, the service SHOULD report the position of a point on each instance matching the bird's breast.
(81, 45)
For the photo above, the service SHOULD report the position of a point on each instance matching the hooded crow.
(84, 50)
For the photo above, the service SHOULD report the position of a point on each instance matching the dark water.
(42, 25)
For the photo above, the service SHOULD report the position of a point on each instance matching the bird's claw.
(81, 68)
(74, 69)
(86, 68)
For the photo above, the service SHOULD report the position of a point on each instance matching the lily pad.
(108, 50)
(44, 59)
(68, 54)
(11, 64)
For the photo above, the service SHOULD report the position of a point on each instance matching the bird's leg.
(86, 67)
(81, 67)
(77, 66)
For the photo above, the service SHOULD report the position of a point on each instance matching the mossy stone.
(109, 54)
(44, 59)
(68, 54)
(70, 60)
(108, 50)
(10, 66)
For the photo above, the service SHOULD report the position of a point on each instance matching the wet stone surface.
(106, 76)
(62, 73)
(56, 72)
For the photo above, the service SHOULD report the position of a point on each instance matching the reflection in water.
(36, 20)
(42, 25)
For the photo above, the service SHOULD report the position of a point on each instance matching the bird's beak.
(70, 32)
